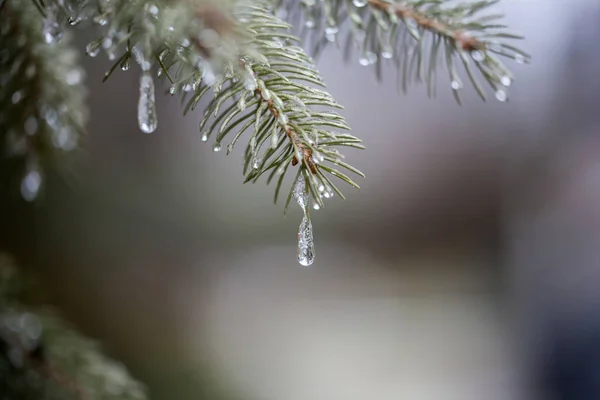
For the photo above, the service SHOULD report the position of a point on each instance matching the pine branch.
(42, 358)
(41, 95)
(416, 34)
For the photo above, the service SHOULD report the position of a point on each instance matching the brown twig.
(461, 39)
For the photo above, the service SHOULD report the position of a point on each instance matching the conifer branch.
(416, 34)
(42, 357)
(41, 85)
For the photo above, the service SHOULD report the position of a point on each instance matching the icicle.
(146, 105)
(306, 245)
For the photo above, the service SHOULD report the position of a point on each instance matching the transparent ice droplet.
(306, 245)
(506, 81)
(501, 95)
(520, 59)
(217, 147)
(93, 48)
(316, 207)
(147, 117)
(359, 3)
(477, 55)
(30, 185)
(204, 137)
(456, 84)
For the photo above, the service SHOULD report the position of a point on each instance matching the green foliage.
(43, 358)
(42, 108)
(419, 36)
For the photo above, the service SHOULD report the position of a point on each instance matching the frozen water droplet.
(316, 206)
(30, 185)
(153, 10)
(16, 97)
(321, 188)
(387, 52)
(506, 81)
(364, 61)
(372, 57)
(205, 137)
(332, 30)
(93, 48)
(309, 23)
(217, 147)
(318, 157)
(255, 163)
(359, 3)
(331, 37)
(31, 126)
(306, 245)
(126, 64)
(64, 139)
(520, 59)
(74, 76)
(501, 95)
(147, 118)
(477, 55)
(456, 84)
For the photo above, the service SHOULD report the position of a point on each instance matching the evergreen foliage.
(244, 64)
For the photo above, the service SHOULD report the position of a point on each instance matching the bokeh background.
(473, 240)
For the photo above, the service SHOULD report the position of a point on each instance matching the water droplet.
(31, 126)
(520, 59)
(456, 84)
(359, 3)
(74, 76)
(16, 97)
(309, 23)
(255, 163)
(477, 55)
(217, 147)
(364, 61)
(107, 42)
(501, 95)
(316, 206)
(506, 81)
(332, 30)
(387, 52)
(147, 117)
(30, 185)
(205, 137)
(321, 188)
(153, 10)
(93, 48)
(64, 139)
(318, 157)
(126, 64)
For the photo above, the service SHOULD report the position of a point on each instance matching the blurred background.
(468, 256)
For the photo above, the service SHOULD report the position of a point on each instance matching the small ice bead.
(205, 137)
(456, 84)
(506, 81)
(501, 95)
(359, 3)
(217, 147)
